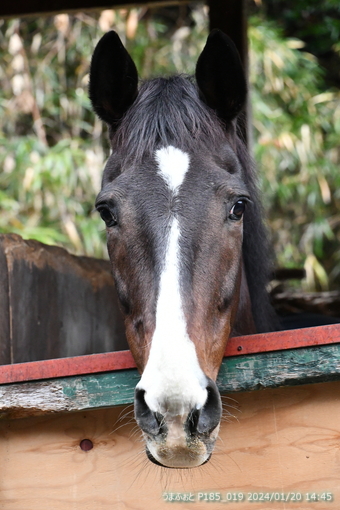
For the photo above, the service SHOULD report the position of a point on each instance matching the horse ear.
(113, 79)
(220, 76)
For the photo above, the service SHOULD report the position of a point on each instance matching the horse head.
(175, 195)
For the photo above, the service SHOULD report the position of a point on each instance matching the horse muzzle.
(183, 440)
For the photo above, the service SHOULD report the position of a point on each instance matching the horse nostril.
(192, 421)
(160, 419)
(211, 413)
(203, 421)
(149, 422)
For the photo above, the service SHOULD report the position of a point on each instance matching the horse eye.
(109, 218)
(237, 211)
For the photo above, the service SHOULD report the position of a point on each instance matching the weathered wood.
(5, 313)
(56, 304)
(288, 273)
(65, 367)
(324, 303)
(94, 391)
(280, 368)
(280, 441)
(241, 373)
(107, 362)
(36, 7)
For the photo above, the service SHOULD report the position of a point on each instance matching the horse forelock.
(167, 111)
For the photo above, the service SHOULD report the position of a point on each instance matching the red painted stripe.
(281, 340)
(107, 362)
(64, 367)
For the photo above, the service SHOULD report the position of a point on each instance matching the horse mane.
(257, 252)
(169, 111)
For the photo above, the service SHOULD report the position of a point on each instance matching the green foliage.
(316, 23)
(297, 131)
(52, 151)
(51, 148)
(47, 193)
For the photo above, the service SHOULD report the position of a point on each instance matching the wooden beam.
(237, 373)
(43, 7)
(120, 360)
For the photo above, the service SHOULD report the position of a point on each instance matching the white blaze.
(173, 381)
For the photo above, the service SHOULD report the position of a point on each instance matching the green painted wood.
(239, 373)
(101, 390)
(280, 368)
(242, 373)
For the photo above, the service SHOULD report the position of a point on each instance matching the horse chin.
(155, 461)
(179, 458)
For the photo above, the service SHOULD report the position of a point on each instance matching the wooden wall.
(54, 304)
(277, 441)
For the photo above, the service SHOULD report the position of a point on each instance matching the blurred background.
(53, 149)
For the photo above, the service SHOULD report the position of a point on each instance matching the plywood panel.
(283, 440)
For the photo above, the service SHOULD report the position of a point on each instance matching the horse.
(185, 236)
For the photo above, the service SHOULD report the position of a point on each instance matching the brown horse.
(185, 236)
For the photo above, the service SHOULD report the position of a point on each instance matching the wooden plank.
(64, 367)
(94, 391)
(280, 368)
(281, 441)
(5, 312)
(326, 303)
(280, 340)
(252, 344)
(59, 305)
(242, 373)
(37, 7)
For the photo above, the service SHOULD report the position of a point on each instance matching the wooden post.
(230, 17)
(5, 323)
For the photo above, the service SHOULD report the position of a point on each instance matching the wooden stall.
(54, 304)
(68, 439)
